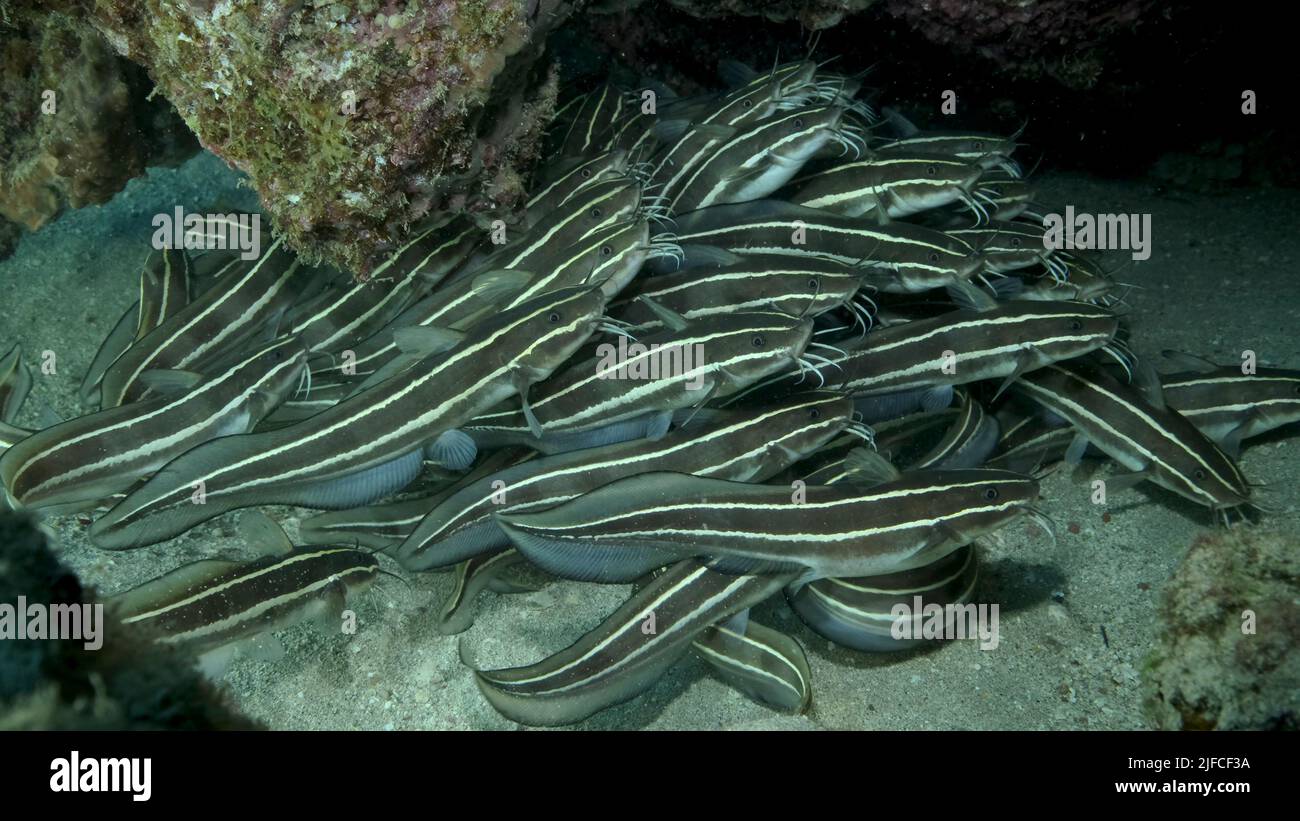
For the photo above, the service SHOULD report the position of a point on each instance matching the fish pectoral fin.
(425, 340)
(868, 467)
(670, 318)
(496, 286)
(1124, 481)
(522, 382)
(1078, 446)
(263, 533)
(453, 449)
(967, 295)
(1146, 380)
(1231, 441)
(263, 647)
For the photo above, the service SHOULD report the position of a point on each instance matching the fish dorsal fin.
(670, 318)
(869, 467)
(970, 297)
(262, 533)
(169, 381)
(1147, 381)
(1190, 362)
(425, 340)
(494, 286)
(159, 591)
(903, 126)
(734, 73)
(670, 130)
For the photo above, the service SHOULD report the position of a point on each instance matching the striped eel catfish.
(986, 341)
(632, 526)
(470, 578)
(609, 257)
(593, 206)
(799, 287)
(989, 151)
(368, 445)
(219, 320)
(77, 463)
(114, 345)
(960, 437)
(620, 659)
(15, 383)
(164, 289)
(857, 612)
(693, 133)
(902, 184)
(555, 190)
(1134, 427)
(666, 371)
(385, 525)
(910, 257)
(352, 309)
(749, 446)
(764, 664)
(1229, 406)
(746, 447)
(595, 117)
(1084, 281)
(1011, 246)
(1222, 402)
(1006, 197)
(209, 604)
(757, 160)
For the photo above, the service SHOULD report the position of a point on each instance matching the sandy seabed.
(1076, 617)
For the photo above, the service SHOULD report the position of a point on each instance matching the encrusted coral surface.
(352, 120)
(1227, 655)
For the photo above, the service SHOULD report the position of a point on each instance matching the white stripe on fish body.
(710, 183)
(637, 399)
(124, 374)
(836, 189)
(388, 443)
(1141, 449)
(192, 421)
(683, 450)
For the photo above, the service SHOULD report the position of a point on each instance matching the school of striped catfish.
(763, 342)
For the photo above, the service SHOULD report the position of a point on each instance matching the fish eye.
(815, 413)
(812, 284)
(934, 256)
(990, 493)
(798, 123)
(979, 145)
(747, 104)
(596, 213)
(586, 173)
(931, 170)
(758, 341)
(1198, 475)
(554, 318)
(606, 250)
(1015, 242)
(1076, 325)
(1297, 387)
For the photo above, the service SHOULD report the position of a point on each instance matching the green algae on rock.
(1226, 655)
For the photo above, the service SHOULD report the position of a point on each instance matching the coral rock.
(1213, 667)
